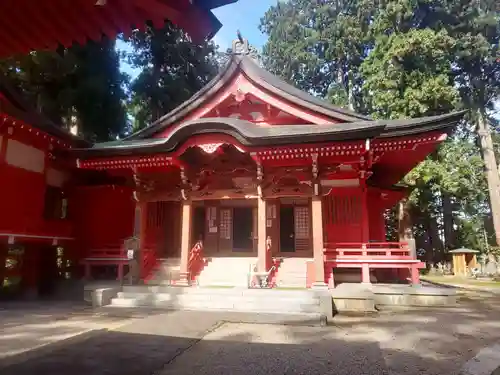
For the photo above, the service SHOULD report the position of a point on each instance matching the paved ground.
(26, 326)
(406, 342)
(417, 342)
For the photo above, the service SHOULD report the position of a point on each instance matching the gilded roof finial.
(240, 45)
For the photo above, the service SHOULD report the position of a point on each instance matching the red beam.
(72, 12)
(23, 45)
(195, 21)
(157, 12)
(64, 25)
(40, 24)
(27, 25)
(6, 44)
(110, 12)
(95, 15)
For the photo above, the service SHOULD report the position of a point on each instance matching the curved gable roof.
(260, 77)
(247, 134)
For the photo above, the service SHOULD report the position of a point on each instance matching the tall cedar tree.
(172, 69)
(81, 85)
(401, 58)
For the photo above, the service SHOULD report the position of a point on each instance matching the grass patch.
(461, 281)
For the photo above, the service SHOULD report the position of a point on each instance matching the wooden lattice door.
(226, 229)
(342, 217)
(302, 228)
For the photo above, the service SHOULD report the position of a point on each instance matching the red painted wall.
(22, 199)
(342, 215)
(102, 216)
(376, 219)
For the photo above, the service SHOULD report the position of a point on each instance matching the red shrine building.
(249, 174)
(38, 25)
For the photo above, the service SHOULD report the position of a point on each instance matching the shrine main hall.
(248, 175)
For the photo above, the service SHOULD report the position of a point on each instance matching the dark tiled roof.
(263, 78)
(249, 134)
(25, 112)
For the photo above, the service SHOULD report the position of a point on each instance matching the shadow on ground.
(242, 351)
(425, 341)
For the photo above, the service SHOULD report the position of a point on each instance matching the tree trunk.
(405, 225)
(437, 244)
(449, 232)
(431, 255)
(491, 171)
(350, 90)
(155, 100)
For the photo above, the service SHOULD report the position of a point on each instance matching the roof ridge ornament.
(240, 45)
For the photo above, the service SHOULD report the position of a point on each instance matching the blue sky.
(243, 15)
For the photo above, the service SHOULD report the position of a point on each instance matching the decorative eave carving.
(315, 174)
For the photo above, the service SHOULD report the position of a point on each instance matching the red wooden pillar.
(185, 241)
(365, 273)
(30, 270)
(120, 272)
(3, 257)
(261, 234)
(3, 148)
(87, 272)
(142, 229)
(415, 275)
(365, 223)
(318, 246)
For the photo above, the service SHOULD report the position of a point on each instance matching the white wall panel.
(23, 156)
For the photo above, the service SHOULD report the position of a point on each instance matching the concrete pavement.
(423, 342)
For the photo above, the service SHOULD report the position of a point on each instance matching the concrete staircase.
(227, 299)
(168, 270)
(292, 273)
(230, 271)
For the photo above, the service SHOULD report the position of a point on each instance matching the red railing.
(148, 264)
(196, 261)
(270, 263)
(111, 252)
(367, 251)
(269, 255)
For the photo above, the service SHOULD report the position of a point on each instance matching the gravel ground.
(28, 325)
(424, 342)
(414, 342)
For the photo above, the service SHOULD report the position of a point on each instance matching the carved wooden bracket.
(314, 169)
(315, 174)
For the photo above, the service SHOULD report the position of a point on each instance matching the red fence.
(148, 263)
(107, 253)
(367, 251)
(196, 261)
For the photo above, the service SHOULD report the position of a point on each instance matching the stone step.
(292, 273)
(272, 304)
(226, 271)
(204, 297)
(260, 293)
(220, 303)
(291, 277)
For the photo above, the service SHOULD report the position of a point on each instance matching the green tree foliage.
(80, 86)
(172, 69)
(404, 58)
(408, 75)
(319, 46)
